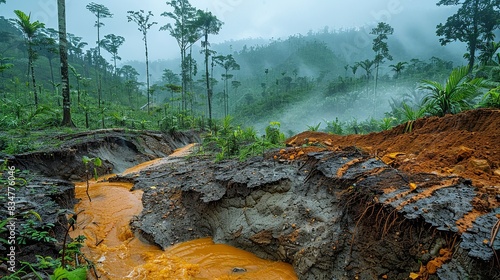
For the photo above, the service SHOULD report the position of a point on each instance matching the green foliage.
(474, 22)
(33, 231)
(46, 263)
(313, 127)
(387, 123)
(234, 142)
(379, 43)
(97, 162)
(334, 127)
(73, 250)
(491, 99)
(409, 113)
(456, 95)
(3, 229)
(62, 273)
(25, 269)
(273, 133)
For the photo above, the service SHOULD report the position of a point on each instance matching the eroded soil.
(419, 204)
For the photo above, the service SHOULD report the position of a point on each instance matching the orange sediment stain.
(427, 192)
(465, 222)
(181, 152)
(142, 166)
(345, 167)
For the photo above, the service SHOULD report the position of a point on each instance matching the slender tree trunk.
(99, 85)
(473, 42)
(191, 94)
(226, 96)
(184, 78)
(32, 69)
(147, 68)
(207, 78)
(52, 76)
(63, 53)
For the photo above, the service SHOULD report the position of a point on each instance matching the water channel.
(118, 254)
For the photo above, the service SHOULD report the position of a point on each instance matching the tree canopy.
(474, 24)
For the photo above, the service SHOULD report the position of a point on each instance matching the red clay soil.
(465, 145)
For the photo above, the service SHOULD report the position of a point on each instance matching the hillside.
(461, 145)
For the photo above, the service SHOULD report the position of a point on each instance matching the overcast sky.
(242, 19)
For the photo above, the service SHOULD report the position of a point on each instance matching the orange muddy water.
(118, 254)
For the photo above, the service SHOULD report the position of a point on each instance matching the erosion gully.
(118, 254)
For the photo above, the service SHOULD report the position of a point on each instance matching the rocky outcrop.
(336, 215)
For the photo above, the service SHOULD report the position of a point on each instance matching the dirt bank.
(119, 149)
(465, 144)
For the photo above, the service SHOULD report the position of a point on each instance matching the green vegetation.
(457, 94)
(252, 84)
(33, 231)
(232, 141)
(95, 162)
(74, 268)
(310, 73)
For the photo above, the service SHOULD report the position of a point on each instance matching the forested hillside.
(350, 80)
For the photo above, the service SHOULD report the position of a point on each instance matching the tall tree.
(169, 77)
(63, 54)
(100, 11)
(111, 43)
(171, 82)
(382, 31)
(209, 24)
(30, 30)
(228, 63)
(473, 23)
(488, 51)
(186, 31)
(142, 21)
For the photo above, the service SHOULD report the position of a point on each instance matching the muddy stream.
(118, 254)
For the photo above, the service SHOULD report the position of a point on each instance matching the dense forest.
(322, 80)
